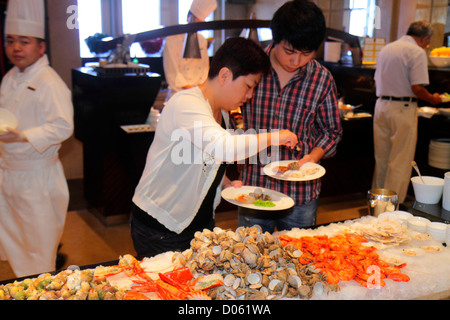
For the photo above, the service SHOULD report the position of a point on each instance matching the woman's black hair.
(242, 56)
(301, 23)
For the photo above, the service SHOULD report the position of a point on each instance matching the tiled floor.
(87, 241)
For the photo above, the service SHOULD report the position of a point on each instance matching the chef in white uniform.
(182, 73)
(34, 195)
(401, 76)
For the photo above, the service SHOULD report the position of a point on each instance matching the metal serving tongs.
(414, 164)
(295, 148)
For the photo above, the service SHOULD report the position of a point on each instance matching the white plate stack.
(439, 153)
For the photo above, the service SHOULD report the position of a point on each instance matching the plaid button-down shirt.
(307, 106)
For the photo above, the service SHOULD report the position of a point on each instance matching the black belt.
(408, 99)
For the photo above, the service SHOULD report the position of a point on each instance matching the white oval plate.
(280, 200)
(271, 171)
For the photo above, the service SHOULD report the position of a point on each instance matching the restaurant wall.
(64, 55)
(436, 12)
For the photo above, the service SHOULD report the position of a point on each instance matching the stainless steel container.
(381, 200)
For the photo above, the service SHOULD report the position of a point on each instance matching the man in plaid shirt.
(300, 95)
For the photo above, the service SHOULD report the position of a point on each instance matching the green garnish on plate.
(262, 203)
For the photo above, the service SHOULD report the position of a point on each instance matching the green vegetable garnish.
(262, 203)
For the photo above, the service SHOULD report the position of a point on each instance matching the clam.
(216, 250)
(276, 285)
(241, 294)
(225, 255)
(237, 283)
(227, 266)
(290, 247)
(239, 234)
(319, 288)
(275, 246)
(313, 269)
(292, 250)
(292, 292)
(255, 265)
(218, 231)
(264, 261)
(238, 248)
(257, 295)
(254, 278)
(281, 274)
(265, 280)
(249, 257)
(229, 280)
(294, 281)
(206, 264)
(248, 239)
(296, 254)
(178, 259)
(269, 238)
(304, 291)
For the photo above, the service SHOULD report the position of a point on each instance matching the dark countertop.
(433, 212)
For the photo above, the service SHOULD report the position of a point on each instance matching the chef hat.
(203, 8)
(25, 18)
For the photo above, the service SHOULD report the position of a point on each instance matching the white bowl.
(7, 120)
(437, 230)
(418, 224)
(430, 192)
(403, 216)
(440, 61)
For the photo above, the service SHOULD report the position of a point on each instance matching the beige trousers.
(395, 138)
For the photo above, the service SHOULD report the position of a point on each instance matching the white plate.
(271, 171)
(445, 98)
(427, 112)
(280, 200)
(7, 120)
(136, 128)
(358, 115)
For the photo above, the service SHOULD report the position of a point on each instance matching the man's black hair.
(300, 23)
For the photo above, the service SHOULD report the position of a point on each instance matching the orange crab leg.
(179, 275)
(171, 292)
(134, 295)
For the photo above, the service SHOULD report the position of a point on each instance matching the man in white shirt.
(34, 196)
(183, 73)
(400, 77)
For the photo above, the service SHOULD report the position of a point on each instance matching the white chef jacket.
(181, 72)
(34, 194)
(186, 152)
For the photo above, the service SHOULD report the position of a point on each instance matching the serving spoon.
(414, 164)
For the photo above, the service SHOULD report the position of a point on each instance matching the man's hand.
(13, 135)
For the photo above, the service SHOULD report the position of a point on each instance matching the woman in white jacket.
(180, 186)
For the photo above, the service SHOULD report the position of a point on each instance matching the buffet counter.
(369, 258)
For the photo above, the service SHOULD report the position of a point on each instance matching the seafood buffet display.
(337, 261)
